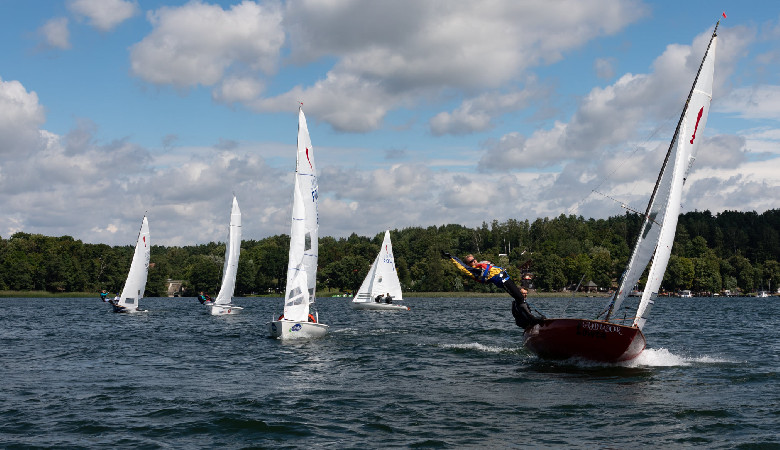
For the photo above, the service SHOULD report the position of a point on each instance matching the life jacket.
(311, 318)
(483, 272)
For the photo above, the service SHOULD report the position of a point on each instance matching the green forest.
(735, 251)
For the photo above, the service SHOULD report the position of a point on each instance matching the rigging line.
(626, 207)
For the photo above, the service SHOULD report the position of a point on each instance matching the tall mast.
(647, 216)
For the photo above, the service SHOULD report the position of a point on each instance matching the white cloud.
(479, 113)
(20, 119)
(346, 102)
(200, 43)
(106, 188)
(610, 116)
(238, 89)
(411, 44)
(720, 193)
(413, 50)
(754, 102)
(721, 152)
(104, 15)
(605, 68)
(55, 33)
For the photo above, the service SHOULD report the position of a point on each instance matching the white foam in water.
(477, 346)
(662, 357)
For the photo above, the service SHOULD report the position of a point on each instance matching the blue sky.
(421, 113)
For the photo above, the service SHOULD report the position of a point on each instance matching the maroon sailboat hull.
(582, 338)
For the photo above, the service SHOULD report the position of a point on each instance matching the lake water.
(450, 373)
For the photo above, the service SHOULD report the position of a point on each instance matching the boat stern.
(290, 329)
(222, 310)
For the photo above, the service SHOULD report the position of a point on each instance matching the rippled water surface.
(451, 372)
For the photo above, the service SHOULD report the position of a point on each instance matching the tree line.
(737, 251)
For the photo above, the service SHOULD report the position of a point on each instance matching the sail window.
(307, 244)
(295, 298)
(130, 300)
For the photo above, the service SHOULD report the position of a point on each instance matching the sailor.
(203, 298)
(388, 298)
(104, 296)
(378, 298)
(486, 272)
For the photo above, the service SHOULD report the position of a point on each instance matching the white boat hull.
(220, 310)
(127, 310)
(291, 329)
(374, 306)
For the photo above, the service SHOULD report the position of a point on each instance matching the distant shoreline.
(322, 296)
(325, 296)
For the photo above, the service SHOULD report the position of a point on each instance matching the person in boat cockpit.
(388, 298)
(486, 272)
(378, 298)
(104, 296)
(203, 298)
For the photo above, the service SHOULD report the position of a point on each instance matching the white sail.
(232, 252)
(364, 293)
(139, 270)
(302, 265)
(657, 233)
(382, 278)
(686, 142)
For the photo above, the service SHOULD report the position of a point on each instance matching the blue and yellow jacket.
(484, 272)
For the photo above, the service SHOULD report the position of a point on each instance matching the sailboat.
(136, 277)
(223, 303)
(607, 340)
(381, 282)
(297, 321)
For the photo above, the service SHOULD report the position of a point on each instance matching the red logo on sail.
(307, 158)
(697, 124)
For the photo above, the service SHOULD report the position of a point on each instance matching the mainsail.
(139, 269)
(232, 253)
(302, 266)
(660, 221)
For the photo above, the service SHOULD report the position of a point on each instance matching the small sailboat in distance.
(223, 304)
(608, 341)
(381, 287)
(137, 276)
(297, 321)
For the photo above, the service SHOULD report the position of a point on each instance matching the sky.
(420, 112)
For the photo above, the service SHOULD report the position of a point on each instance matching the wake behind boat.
(604, 340)
(297, 321)
(223, 304)
(135, 284)
(381, 287)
